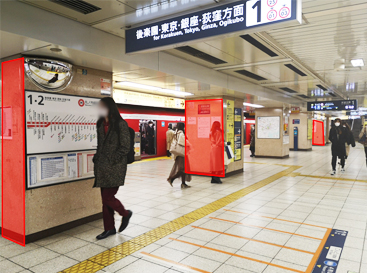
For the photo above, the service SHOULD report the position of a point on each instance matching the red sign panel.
(204, 150)
(204, 109)
(318, 134)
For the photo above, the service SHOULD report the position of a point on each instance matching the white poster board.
(268, 127)
(60, 123)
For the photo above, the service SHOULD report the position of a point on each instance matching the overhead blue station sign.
(220, 20)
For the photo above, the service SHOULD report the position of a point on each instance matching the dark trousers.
(110, 205)
(365, 151)
(333, 162)
(168, 153)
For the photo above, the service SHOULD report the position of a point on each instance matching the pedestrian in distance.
(252, 141)
(110, 164)
(363, 139)
(169, 138)
(338, 137)
(178, 169)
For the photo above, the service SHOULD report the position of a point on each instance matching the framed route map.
(268, 127)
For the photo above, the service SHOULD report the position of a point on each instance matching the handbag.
(229, 152)
(363, 139)
(177, 148)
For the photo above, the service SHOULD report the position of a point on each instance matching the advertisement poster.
(230, 124)
(237, 134)
(105, 86)
(309, 129)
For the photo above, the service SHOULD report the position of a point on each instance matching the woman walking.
(178, 169)
(216, 152)
(338, 138)
(110, 164)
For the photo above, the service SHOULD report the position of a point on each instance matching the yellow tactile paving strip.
(115, 254)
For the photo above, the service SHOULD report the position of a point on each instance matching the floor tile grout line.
(214, 206)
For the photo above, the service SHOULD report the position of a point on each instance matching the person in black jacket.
(350, 139)
(338, 137)
(110, 164)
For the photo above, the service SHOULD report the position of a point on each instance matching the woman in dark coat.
(110, 164)
(338, 137)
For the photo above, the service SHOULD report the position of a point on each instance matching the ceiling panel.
(108, 9)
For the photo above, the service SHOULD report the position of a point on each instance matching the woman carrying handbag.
(178, 152)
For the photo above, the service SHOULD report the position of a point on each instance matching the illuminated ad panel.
(13, 151)
(204, 150)
(318, 136)
(219, 20)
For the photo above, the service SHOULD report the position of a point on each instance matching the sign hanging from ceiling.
(224, 19)
(143, 99)
(338, 105)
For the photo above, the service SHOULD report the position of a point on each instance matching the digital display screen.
(339, 105)
(223, 19)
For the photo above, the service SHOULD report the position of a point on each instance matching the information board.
(237, 134)
(221, 19)
(268, 127)
(230, 124)
(338, 105)
(60, 123)
(49, 169)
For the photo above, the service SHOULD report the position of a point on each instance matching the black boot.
(105, 234)
(125, 221)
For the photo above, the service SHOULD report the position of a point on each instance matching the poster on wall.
(106, 87)
(318, 136)
(237, 134)
(230, 124)
(309, 129)
(59, 123)
(268, 127)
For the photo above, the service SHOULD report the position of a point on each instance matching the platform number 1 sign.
(265, 11)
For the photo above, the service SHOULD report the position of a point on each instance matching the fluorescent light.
(253, 105)
(156, 89)
(357, 62)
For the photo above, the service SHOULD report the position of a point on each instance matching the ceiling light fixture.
(253, 105)
(357, 62)
(156, 89)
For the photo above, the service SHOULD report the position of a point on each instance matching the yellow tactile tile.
(106, 258)
(85, 267)
(111, 256)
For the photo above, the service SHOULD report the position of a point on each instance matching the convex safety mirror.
(48, 75)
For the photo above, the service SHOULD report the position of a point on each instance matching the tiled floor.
(277, 228)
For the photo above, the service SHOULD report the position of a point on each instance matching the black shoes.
(125, 221)
(216, 180)
(105, 234)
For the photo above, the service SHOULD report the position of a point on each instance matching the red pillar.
(13, 151)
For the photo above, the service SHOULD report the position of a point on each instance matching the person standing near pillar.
(110, 164)
(150, 137)
(169, 138)
(338, 138)
(252, 141)
(363, 139)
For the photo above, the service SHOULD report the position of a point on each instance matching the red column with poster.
(13, 152)
(204, 150)
(318, 136)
